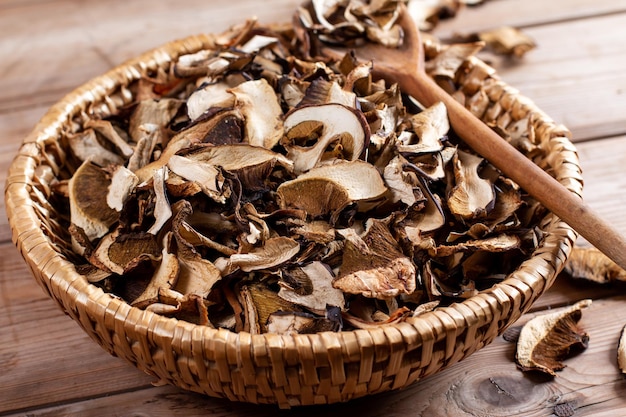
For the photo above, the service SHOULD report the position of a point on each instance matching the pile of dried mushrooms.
(252, 188)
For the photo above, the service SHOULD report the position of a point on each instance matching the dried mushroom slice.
(428, 14)
(287, 323)
(374, 266)
(547, 339)
(120, 252)
(328, 189)
(430, 127)
(500, 243)
(196, 275)
(592, 265)
(275, 251)
(507, 40)
(152, 112)
(86, 146)
(234, 157)
(258, 103)
(311, 286)
(88, 190)
(472, 196)
(259, 303)
(116, 137)
(123, 182)
(352, 22)
(311, 130)
(206, 176)
(404, 186)
(621, 351)
(164, 277)
(209, 96)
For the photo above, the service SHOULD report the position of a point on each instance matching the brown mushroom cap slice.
(321, 294)
(507, 40)
(330, 188)
(472, 196)
(119, 253)
(154, 112)
(338, 123)
(88, 190)
(259, 302)
(259, 105)
(592, 265)
(374, 266)
(545, 340)
(85, 146)
(114, 135)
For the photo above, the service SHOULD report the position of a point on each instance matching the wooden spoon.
(405, 65)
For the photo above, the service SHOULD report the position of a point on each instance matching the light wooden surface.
(576, 75)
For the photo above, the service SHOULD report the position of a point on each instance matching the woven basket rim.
(60, 276)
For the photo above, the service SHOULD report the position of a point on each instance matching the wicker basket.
(285, 370)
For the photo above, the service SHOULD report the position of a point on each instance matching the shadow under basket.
(293, 370)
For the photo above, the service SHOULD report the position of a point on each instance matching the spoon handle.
(535, 181)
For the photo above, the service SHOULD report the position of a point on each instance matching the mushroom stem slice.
(545, 340)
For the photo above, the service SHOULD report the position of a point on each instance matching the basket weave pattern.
(268, 368)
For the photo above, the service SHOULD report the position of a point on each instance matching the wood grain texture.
(50, 367)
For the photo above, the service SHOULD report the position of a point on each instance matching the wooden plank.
(576, 75)
(526, 13)
(487, 383)
(44, 356)
(604, 172)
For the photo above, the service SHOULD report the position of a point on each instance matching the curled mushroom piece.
(430, 127)
(311, 286)
(88, 191)
(257, 102)
(323, 125)
(545, 340)
(274, 252)
(592, 265)
(374, 266)
(472, 196)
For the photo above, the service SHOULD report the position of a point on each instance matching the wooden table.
(576, 75)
